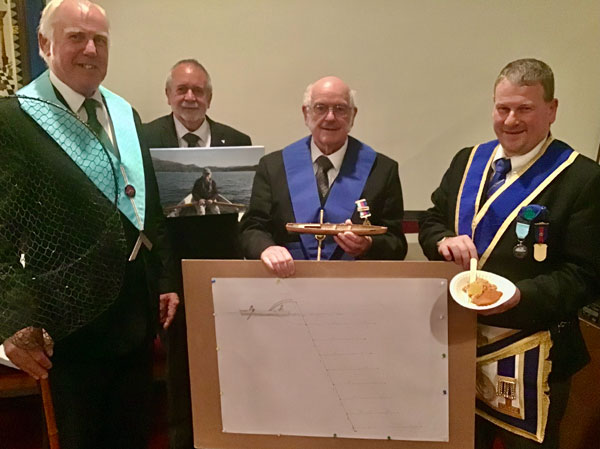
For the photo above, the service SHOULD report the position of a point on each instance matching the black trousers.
(486, 432)
(104, 404)
(179, 403)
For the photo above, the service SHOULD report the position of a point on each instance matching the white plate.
(457, 283)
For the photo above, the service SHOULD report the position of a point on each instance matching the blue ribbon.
(346, 189)
(505, 203)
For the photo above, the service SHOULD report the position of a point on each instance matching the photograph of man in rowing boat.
(188, 179)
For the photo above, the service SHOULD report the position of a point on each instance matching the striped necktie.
(323, 166)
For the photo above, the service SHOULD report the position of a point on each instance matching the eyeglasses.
(339, 110)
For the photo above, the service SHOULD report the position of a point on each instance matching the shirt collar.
(336, 158)
(520, 161)
(74, 99)
(203, 132)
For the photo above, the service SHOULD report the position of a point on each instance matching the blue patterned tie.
(502, 167)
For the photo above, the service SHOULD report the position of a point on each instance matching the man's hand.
(168, 303)
(30, 349)
(352, 244)
(512, 302)
(460, 249)
(279, 260)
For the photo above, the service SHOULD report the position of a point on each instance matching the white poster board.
(328, 357)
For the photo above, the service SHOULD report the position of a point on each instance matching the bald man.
(327, 170)
(101, 374)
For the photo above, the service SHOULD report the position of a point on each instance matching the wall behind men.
(423, 70)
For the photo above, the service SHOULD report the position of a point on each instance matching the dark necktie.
(323, 166)
(502, 167)
(90, 106)
(191, 139)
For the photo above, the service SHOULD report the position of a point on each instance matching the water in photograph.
(236, 186)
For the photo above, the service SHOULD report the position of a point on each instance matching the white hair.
(194, 63)
(48, 19)
(307, 98)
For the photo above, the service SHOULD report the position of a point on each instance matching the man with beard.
(189, 93)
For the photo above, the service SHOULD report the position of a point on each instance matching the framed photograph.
(14, 65)
(205, 181)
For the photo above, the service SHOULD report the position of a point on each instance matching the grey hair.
(48, 20)
(529, 72)
(307, 98)
(196, 64)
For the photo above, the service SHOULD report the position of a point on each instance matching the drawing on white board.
(276, 309)
(298, 362)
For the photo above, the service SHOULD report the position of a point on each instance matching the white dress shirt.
(520, 161)
(336, 159)
(75, 102)
(203, 133)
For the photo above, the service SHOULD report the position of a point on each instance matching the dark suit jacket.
(194, 237)
(131, 320)
(270, 208)
(160, 133)
(554, 290)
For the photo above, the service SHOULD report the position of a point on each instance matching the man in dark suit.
(101, 375)
(526, 207)
(189, 93)
(328, 171)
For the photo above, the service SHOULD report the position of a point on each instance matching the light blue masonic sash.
(129, 169)
(346, 189)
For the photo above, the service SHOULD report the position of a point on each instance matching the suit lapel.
(217, 137)
(169, 137)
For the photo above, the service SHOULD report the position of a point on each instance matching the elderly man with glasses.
(328, 170)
